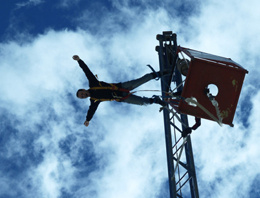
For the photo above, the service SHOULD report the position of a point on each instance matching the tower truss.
(181, 168)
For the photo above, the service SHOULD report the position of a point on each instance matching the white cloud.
(126, 142)
(68, 3)
(29, 3)
(44, 72)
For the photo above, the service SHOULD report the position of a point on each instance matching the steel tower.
(181, 168)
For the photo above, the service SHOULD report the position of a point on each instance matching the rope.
(192, 101)
(215, 104)
(171, 93)
(146, 90)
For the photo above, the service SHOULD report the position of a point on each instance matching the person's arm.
(91, 77)
(91, 111)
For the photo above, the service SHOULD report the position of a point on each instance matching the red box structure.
(206, 69)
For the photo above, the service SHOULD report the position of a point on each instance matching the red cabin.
(209, 70)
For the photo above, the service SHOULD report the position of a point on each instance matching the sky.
(47, 152)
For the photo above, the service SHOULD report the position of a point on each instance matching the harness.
(113, 88)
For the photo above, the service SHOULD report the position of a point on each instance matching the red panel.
(229, 81)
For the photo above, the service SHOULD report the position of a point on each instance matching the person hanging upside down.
(100, 91)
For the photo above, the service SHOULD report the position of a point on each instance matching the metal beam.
(167, 52)
(167, 127)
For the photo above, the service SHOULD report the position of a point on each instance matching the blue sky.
(46, 151)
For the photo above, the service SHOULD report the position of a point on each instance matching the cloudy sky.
(46, 151)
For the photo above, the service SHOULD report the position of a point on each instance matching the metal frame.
(181, 170)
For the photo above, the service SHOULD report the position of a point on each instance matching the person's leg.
(133, 99)
(132, 84)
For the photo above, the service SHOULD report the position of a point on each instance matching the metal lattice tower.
(181, 168)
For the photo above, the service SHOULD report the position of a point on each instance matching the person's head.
(82, 93)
